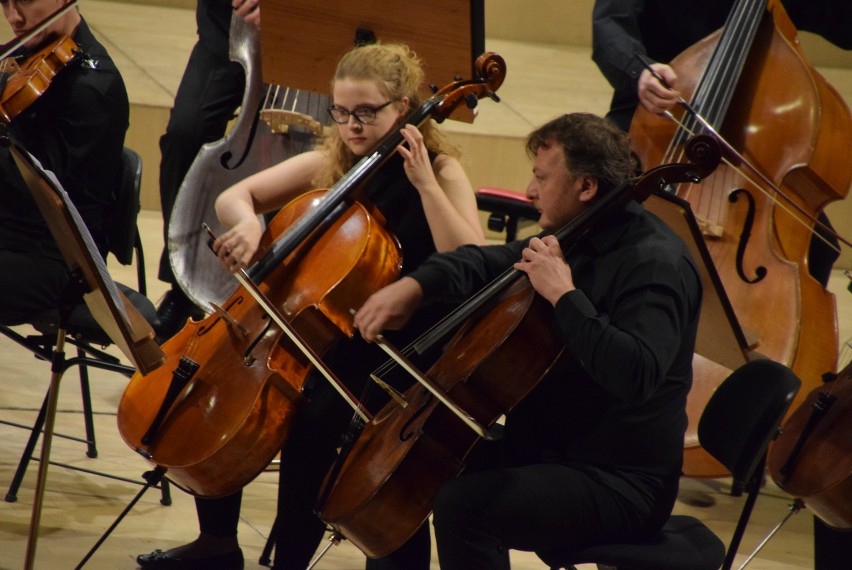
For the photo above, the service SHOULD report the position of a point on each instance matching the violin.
(234, 380)
(23, 83)
(752, 84)
(401, 458)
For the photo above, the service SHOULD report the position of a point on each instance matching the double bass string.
(713, 95)
(693, 113)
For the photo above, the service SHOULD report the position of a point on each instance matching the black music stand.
(721, 345)
(720, 337)
(90, 281)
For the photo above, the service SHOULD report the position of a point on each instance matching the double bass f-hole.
(745, 235)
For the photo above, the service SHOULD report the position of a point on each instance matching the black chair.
(82, 330)
(740, 420)
(507, 210)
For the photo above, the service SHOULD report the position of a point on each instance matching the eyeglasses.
(363, 114)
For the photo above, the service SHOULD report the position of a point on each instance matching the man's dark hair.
(593, 146)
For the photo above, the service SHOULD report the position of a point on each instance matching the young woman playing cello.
(427, 202)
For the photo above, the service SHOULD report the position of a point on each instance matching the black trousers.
(480, 516)
(832, 548)
(31, 284)
(210, 91)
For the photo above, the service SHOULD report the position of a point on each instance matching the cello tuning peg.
(433, 88)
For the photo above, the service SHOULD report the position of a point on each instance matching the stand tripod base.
(152, 478)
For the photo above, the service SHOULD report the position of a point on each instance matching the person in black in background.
(76, 130)
(210, 91)
(594, 453)
(660, 30)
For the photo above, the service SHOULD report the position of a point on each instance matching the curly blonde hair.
(398, 72)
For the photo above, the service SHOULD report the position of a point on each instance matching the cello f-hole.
(205, 328)
(248, 359)
(745, 235)
(406, 432)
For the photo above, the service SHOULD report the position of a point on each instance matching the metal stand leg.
(266, 555)
(797, 506)
(151, 480)
(88, 414)
(12, 494)
(49, 418)
(333, 540)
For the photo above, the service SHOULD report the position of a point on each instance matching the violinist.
(428, 204)
(75, 128)
(593, 454)
(661, 29)
(210, 91)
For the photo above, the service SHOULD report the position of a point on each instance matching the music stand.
(302, 40)
(90, 280)
(720, 337)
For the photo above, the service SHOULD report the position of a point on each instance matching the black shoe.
(173, 313)
(159, 560)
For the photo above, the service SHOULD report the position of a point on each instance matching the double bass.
(274, 124)
(751, 82)
(234, 380)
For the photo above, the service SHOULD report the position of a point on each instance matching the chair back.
(123, 233)
(743, 414)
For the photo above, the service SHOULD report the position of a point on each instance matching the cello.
(753, 85)
(234, 380)
(406, 453)
(811, 459)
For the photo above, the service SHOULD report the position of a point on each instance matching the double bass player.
(660, 30)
